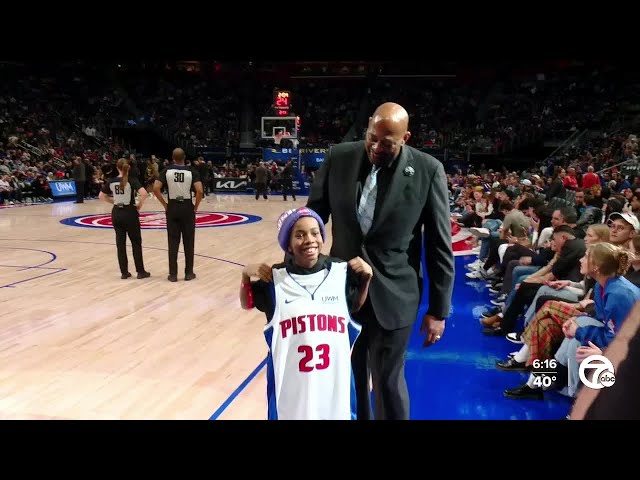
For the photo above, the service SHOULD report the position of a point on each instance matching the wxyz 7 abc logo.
(603, 374)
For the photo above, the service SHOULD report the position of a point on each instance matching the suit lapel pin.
(409, 171)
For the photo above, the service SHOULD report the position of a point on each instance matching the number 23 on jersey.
(317, 359)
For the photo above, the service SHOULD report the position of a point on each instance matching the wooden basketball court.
(77, 342)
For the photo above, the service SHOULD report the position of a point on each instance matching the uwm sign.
(231, 184)
(62, 188)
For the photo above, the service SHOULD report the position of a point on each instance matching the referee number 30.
(320, 356)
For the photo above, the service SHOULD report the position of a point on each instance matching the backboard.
(274, 126)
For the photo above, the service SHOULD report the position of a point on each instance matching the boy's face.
(305, 243)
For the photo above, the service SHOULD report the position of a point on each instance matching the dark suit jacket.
(79, 174)
(393, 245)
(567, 267)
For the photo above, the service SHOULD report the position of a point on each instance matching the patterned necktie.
(368, 201)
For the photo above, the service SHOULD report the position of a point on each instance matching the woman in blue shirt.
(614, 297)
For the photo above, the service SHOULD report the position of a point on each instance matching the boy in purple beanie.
(308, 301)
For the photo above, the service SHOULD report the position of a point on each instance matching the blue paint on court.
(32, 267)
(51, 254)
(457, 379)
(11, 285)
(238, 390)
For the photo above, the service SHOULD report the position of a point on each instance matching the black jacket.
(412, 194)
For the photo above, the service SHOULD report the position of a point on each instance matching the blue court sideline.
(457, 378)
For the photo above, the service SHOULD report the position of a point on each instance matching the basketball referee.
(180, 181)
(121, 191)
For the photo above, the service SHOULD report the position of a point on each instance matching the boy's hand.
(261, 270)
(361, 268)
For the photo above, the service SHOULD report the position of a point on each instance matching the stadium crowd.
(559, 249)
(47, 119)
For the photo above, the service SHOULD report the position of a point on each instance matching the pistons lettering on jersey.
(314, 322)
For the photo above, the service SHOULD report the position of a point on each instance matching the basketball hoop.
(279, 136)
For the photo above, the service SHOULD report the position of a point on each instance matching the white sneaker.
(475, 265)
(476, 274)
(513, 337)
(480, 232)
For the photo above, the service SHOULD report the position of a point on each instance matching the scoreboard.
(283, 121)
(282, 100)
(282, 103)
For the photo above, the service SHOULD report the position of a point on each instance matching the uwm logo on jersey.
(330, 299)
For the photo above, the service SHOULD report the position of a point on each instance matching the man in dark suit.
(380, 193)
(79, 177)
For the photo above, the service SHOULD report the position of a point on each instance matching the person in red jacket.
(570, 180)
(590, 179)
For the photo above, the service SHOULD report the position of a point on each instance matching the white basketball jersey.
(310, 339)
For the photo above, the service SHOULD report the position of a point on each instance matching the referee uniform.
(126, 221)
(179, 182)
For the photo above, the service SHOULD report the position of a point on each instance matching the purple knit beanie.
(289, 218)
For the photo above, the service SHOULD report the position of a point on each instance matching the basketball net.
(278, 138)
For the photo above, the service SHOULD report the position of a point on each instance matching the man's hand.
(433, 328)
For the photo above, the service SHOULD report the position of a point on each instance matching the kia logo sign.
(233, 184)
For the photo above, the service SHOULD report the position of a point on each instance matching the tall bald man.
(180, 181)
(380, 193)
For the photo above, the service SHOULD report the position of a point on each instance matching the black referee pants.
(181, 224)
(126, 221)
(287, 188)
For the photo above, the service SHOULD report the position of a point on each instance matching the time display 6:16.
(549, 364)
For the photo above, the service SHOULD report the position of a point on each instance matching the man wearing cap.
(380, 193)
(623, 226)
